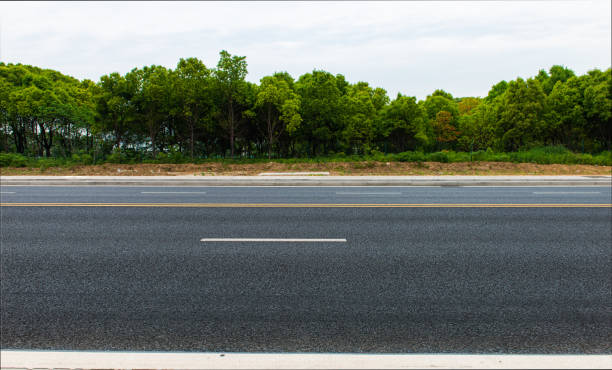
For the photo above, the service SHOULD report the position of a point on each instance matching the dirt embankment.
(334, 168)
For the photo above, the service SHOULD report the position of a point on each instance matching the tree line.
(203, 112)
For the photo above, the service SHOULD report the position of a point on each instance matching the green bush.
(114, 157)
(44, 163)
(540, 155)
(548, 155)
(410, 157)
(13, 160)
(455, 157)
(84, 159)
(603, 158)
(438, 157)
(171, 157)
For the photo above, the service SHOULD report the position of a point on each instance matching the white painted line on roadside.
(293, 174)
(172, 192)
(363, 193)
(7, 192)
(217, 360)
(412, 186)
(534, 186)
(239, 240)
(566, 192)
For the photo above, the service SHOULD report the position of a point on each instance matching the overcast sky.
(404, 46)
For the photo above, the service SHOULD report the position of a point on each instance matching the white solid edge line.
(359, 193)
(534, 186)
(7, 192)
(312, 186)
(172, 192)
(212, 360)
(320, 173)
(273, 240)
(567, 192)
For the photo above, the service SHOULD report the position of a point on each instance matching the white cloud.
(412, 47)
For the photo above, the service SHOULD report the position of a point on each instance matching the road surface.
(373, 269)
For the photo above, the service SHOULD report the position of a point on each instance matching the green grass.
(540, 155)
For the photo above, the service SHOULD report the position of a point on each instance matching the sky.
(412, 47)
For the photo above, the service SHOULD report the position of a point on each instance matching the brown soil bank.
(334, 168)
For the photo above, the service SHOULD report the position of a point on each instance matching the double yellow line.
(317, 205)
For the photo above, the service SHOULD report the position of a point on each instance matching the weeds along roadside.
(538, 155)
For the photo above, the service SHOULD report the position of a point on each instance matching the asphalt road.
(302, 194)
(477, 280)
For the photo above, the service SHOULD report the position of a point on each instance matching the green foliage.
(230, 74)
(12, 160)
(85, 159)
(279, 105)
(321, 109)
(44, 163)
(405, 123)
(195, 113)
(521, 114)
(496, 91)
(410, 157)
(556, 74)
(438, 157)
(115, 157)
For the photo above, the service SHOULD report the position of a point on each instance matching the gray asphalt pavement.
(301, 194)
(298, 180)
(477, 280)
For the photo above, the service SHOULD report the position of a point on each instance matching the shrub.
(44, 163)
(410, 157)
(438, 157)
(454, 157)
(12, 160)
(81, 159)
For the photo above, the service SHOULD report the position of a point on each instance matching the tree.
(556, 73)
(5, 89)
(598, 105)
(361, 107)
(114, 106)
(443, 130)
(194, 90)
(466, 105)
(442, 93)
(404, 122)
(437, 103)
(230, 74)
(497, 90)
(522, 114)
(280, 106)
(445, 125)
(478, 126)
(152, 100)
(198, 110)
(320, 109)
(566, 118)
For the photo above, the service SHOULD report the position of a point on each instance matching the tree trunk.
(70, 139)
(117, 136)
(152, 134)
(47, 141)
(36, 144)
(270, 133)
(87, 139)
(19, 136)
(192, 138)
(231, 127)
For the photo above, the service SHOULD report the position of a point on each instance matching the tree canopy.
(205, 112)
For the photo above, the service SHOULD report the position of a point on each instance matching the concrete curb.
(310, 180)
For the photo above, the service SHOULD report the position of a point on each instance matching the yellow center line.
(316, 205)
